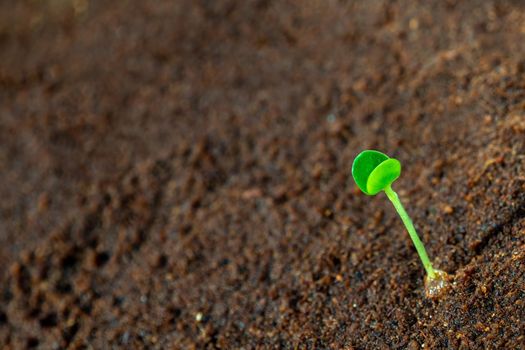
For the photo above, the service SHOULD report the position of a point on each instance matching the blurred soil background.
(176, 174)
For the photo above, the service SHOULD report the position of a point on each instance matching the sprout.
(374, 172)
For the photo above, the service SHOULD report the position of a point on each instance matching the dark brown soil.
(177, 174)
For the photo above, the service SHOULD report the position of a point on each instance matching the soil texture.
(176, 174)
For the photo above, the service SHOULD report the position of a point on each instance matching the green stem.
(411, 231)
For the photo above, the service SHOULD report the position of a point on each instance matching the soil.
(177, 174)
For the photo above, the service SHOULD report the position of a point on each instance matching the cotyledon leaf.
(364, 164)
(383, 175)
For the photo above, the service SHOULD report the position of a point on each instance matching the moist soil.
(176, 175)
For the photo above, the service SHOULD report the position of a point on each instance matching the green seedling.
(374, 172)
